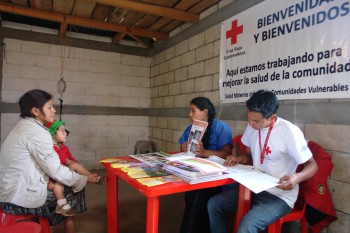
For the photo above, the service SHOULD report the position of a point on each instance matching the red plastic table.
(153, 193)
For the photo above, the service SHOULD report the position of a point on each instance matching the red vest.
(319, 210)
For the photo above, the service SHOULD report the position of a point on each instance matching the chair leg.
(45, 227)
(303, 225)
(274, 227)
(230, 221)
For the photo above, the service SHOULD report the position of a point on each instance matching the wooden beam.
(118, 37)
(144, 43)
(63, 27)
(32, 3)
(35, 13)
(116, 27)
(36, 4)
(152, 9)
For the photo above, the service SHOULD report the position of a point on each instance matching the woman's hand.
(200, 150)
(184, 146)
(232, 160)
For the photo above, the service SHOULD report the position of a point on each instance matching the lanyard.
(262, 156)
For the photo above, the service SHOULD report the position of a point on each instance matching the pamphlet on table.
(154, 158)
(145, 171)
(153, 181)
(195, 167)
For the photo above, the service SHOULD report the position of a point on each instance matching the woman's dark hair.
(263, 101)
(33, 99)
(204, 103)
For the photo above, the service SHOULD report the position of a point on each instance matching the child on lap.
(59, 135)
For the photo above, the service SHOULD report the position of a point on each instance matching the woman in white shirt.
(27, 160)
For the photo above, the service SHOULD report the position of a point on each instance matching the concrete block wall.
(197, 74)
(94, 79)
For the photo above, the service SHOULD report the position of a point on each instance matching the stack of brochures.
(185, 165)
(196, 170)
(154, 158)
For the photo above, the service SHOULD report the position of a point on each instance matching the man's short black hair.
(263, 101)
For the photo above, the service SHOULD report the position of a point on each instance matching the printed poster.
(297, 49)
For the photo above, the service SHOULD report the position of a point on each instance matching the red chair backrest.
(236, 141)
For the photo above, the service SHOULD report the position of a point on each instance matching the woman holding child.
(217, 140)
(28, 159)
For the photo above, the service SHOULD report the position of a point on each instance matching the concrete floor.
(132, 212)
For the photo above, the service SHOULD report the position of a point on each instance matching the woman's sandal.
(101, 180)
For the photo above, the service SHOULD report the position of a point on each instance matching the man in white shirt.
(276, 147)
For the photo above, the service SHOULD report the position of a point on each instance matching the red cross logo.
(268, 151)
(234, 32)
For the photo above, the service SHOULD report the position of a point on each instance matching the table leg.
(112, 202)
(244, 201)
(152, 215)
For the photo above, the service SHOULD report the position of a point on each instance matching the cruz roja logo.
(234, 32)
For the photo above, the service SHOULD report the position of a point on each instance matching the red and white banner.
(297, 49)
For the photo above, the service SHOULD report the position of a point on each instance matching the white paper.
(217, 159)
(241, 168)
(251, 178)
(179, 156)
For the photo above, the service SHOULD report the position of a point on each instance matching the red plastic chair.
(21, 227)
(323, 160)
(236, 141)
(10, 219)
(298, 213)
